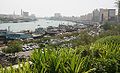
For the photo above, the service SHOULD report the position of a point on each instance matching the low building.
(6, 35)
(39, 31)
(15, 36)
(69, 28)
(25, 14)
(49, 29)
(3, 32)
(3, 40)
(62, 28)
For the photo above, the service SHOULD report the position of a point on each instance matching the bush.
(13, 47)
(22, 68)
(111, 42)
(108, 51)
(108, 40)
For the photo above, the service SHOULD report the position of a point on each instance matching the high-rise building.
(25, 14)
(107, 15)
(96, 15)
(112, 14)
(103, 15)
(89, 16)
(57, 15)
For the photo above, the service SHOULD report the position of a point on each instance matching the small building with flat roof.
(15, 36)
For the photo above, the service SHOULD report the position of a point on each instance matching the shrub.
(13, 47)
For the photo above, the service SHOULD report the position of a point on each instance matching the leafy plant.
(14, 46)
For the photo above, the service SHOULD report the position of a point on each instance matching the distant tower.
(14, 13)
(21, 12)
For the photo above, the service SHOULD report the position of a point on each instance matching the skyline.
(42, 8)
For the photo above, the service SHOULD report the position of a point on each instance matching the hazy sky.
(49, 7)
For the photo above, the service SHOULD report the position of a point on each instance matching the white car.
(23, 49)
(36, 46)
(27, 48)
(30, 48)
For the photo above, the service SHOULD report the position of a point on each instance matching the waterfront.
(16, 27)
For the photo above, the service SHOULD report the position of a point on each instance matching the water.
(16, 27)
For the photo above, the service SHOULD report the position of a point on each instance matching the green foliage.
(107, 26)
(112, 27)
(67, 35)
(58, 61)
(14, 46)
(103, 56)
(86, 39)
(111, 42)
(22, 68)
(106, 54)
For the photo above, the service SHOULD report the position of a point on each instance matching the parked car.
(24, 49)
(30, 48)
(27, 48)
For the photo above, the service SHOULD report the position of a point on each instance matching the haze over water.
(16, 27)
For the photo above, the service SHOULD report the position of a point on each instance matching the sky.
(45, 8)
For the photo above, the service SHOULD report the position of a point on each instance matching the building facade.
(107, 15)
(16, 36)
(57, 15)
(96, 15)
(103, 15)
(3, 39)
(25, 14)
(39, 31)
(112, 15)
